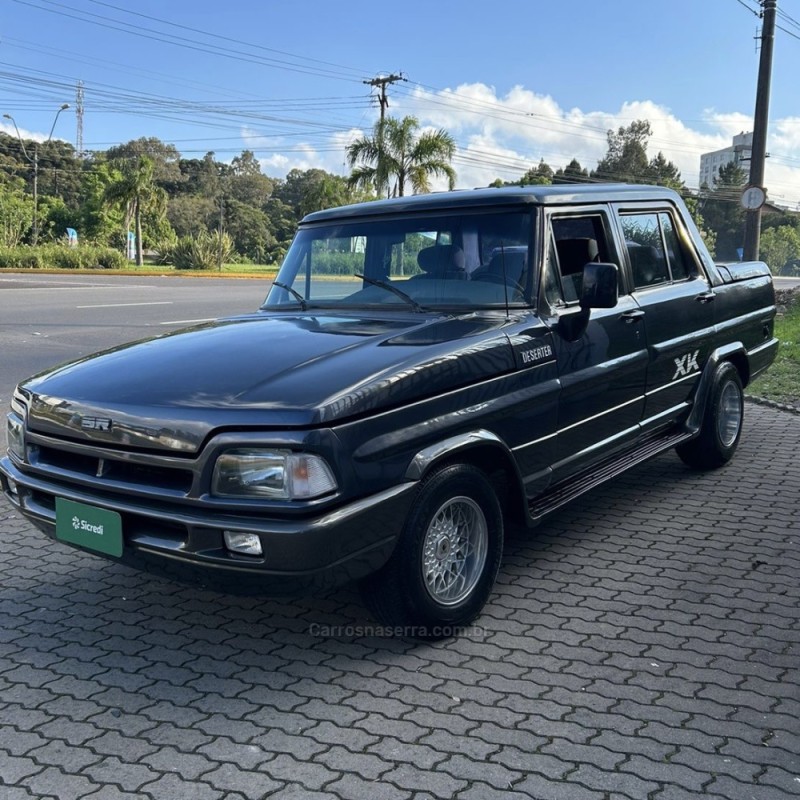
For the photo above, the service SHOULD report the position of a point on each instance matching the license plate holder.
(89, 527)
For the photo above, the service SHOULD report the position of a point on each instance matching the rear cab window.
(656, 249)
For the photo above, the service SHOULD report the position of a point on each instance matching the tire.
(721, 428)
(444, 565)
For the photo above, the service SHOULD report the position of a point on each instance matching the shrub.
(202, 251)
(60, 256)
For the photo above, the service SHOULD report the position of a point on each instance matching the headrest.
(644, 255)
(574, 253)
(441, 258)
(508, 264)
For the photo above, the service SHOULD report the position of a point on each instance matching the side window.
(655, 250)
(645, 249)
(574, 242)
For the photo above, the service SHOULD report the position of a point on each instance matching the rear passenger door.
(602, 363)
(671, 288)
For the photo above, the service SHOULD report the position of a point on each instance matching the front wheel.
(721, 428)
(443, 568)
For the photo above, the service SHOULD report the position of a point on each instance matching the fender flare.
(423, 460)
(715, 358)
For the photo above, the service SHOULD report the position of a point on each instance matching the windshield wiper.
(394, 290)
(297, 296)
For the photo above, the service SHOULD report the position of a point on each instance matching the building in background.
(739, 153)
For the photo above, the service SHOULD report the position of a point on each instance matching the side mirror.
(600, 286)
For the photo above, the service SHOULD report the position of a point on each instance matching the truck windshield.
(475, 260)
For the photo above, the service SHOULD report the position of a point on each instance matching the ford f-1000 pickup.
(423, 371)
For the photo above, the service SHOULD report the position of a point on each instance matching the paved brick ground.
(642, 644)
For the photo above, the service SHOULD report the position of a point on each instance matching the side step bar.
(566, 491)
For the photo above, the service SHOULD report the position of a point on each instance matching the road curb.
(763, 401)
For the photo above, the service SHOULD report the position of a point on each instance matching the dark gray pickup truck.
(423, 370)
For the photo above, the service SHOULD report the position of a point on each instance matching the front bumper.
(330, 548)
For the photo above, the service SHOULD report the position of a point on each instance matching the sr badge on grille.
(96, 424)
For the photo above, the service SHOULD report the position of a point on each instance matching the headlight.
(272, 474)
(16, 437)
(18, 404)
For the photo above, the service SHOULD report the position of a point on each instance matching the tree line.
(198, 211)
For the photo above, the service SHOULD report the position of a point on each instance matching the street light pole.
(34, 160)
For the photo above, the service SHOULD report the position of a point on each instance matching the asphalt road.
(642, 643)
(786, 283)
(50, 319)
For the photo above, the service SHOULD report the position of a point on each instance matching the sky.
(514, 81)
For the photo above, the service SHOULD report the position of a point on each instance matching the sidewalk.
(643, 643)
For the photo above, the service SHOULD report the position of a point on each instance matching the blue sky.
(513, 81)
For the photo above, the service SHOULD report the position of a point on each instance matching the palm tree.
(394, 150)
(135, 192)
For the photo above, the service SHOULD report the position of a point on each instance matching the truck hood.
(267, 370)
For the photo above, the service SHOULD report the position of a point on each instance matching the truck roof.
(493, 197)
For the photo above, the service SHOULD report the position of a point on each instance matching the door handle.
(629, 317)
(705, 297)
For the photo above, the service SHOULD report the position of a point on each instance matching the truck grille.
(102, 467)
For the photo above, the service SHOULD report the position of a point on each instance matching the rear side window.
(654, 249)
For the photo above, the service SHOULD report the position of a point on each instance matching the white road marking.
(121, 305)
(187, 321)
(75, 286)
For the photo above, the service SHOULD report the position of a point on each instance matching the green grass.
(781, 382)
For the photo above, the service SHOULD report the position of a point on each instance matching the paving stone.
(187, 765)
(395, 751)
(296, 791)
(52, 781)
(14, 768)
(415, 778)
(633, 648)
(112, 793)
(665, 773)
(311, 774)
(366, 765)
(471, 770)
(64, 756)
(125, 747)
(405, 730)
(613, 782)
(172, 786)
(251, 783)
(127, 775)
(541, 788)
(354, 787)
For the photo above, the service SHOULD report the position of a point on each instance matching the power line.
(181, 41)
(224, 38)
(749, 8)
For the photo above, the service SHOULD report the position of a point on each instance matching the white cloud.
(504, 135)
(288, 154)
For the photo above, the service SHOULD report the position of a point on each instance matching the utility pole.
(754, 194)
(79, 118)
(382, 81)
(221, 224)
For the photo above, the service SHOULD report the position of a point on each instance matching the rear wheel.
(721, 428)
(446, 560)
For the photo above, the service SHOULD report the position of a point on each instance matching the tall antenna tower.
(79, 118)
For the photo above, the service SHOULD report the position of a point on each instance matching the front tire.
(443, 568)
(721, 428)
